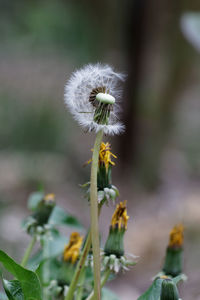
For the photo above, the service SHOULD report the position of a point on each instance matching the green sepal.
(173, 264)
(169, 290)
(104, 177)
(115, 242)
(154, 291)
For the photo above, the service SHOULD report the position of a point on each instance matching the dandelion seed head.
(82, 101)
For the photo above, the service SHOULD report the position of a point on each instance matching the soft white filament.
(77, 95)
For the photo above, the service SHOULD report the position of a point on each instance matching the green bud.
(115, 242)
(169, 290)
(104, 177)
(43, 212)
(173, 264)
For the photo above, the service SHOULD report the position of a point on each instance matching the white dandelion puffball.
(92, 95)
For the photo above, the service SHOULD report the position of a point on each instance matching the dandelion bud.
(115, 242)
(44, 209)
(173, 265)
(106, 191)
(169, 290)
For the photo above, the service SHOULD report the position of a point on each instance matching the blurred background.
(157, 43)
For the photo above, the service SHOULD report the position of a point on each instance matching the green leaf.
(13, 289)
(29, 281)
(108, 295)
(54, 267)
(34, 200)
(56, 247)
(60, 217)
(35, 260)
(153, 293)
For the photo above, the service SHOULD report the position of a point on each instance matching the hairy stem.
(79, 293)
(28, 252)
(94, 216)
(103, 282)
(80, 265)
(96, 210)
(79, 268)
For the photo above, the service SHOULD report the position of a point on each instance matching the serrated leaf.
(29, 281)
(13, 289)
(108, 295)
(60, 217)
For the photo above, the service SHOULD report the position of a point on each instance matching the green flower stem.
(80, 265)
(94, 221)
(94, 216)
(46, 269)
(79, 293)
(79, 268)
(103, 282)
(28, 252)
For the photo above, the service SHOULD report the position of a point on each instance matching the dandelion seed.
(92, 95)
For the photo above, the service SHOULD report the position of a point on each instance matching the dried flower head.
(115, 241)
(105, 156)
(92, 96)
(120, 217)
(176, 236)
(49, 197)
(72, 250)
(173, 264)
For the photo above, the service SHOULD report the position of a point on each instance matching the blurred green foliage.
(64, 25)
(29, 127)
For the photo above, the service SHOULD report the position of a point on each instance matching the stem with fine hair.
(80, 265)
(79, 268)
(95, 211)
(103, 282)
(79, 293)
(28, 252)
(94, 216)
